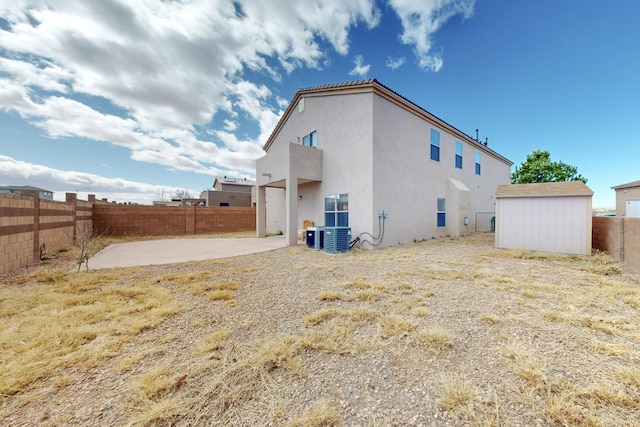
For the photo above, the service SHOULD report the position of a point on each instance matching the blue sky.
(134, 100)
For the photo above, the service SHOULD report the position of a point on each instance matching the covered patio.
(286, 166)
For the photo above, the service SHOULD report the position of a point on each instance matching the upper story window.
(477, 163)
(336, 210)
(310, 140)
(458, 154)
(435, 145)
(301, 105)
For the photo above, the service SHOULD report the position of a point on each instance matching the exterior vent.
(336, 239)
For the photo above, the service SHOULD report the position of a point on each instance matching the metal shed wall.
(549, 224)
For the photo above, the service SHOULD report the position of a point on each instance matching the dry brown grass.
(445, 332)
(435, 340)
(458, 395)
(76, 321)
(320, 415)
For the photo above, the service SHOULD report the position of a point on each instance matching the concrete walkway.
(168, 251)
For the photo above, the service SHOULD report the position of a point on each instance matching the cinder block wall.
(56, 226)
(16, 231)
(619, 236)
(632, 243)
(217, 219)
(31, 227)
(135, 220)
(607, 235)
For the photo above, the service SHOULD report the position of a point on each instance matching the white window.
(336, 210)
(310, 140)
(442, 212)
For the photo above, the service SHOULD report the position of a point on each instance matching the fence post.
(190, 220)
(35, 195)
(72, 201)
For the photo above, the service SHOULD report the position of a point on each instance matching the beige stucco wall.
(232, 198)
(379, 154)
(548, 224)
(408, 183)
(622, 197)
(343, 126)
(276, 203)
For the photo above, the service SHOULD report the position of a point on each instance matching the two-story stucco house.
(346, 154)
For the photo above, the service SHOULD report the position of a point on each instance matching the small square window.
(330, 203)
(310, 140)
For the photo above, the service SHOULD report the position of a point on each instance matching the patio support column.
(261, 212)
(291, 216)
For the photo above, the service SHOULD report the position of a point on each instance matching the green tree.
(538, 167)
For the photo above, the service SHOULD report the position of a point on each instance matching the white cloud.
(421, 19)
(61, 182)
(230, 126)
(151, 75)
(395, 63)
(360, 69)
(166, 66)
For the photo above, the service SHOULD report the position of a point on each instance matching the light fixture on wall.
(300, 197)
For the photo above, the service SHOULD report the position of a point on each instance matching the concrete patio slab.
(169, 251)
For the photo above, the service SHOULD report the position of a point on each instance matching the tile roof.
(544, 189)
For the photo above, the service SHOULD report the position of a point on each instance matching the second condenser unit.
(315, 237)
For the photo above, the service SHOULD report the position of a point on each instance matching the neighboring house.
(360, 155)
(17, 189)
(548, 217)
(238, 185)
(628, 199)
(229, 192)
(180, 202)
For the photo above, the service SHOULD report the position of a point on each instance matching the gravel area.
(436, 333)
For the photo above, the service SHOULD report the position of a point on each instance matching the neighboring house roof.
(363, 86)
(22, 187)
(234, 181)
(544, 189)
(627, 185)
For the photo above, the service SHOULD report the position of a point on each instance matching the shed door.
(633, 208)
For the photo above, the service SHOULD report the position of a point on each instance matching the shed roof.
(544, 189)
(627, 185)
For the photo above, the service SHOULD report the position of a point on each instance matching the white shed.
(548, 217)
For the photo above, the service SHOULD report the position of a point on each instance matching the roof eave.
(387, 93)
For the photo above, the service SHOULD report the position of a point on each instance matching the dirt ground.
(435, 333)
